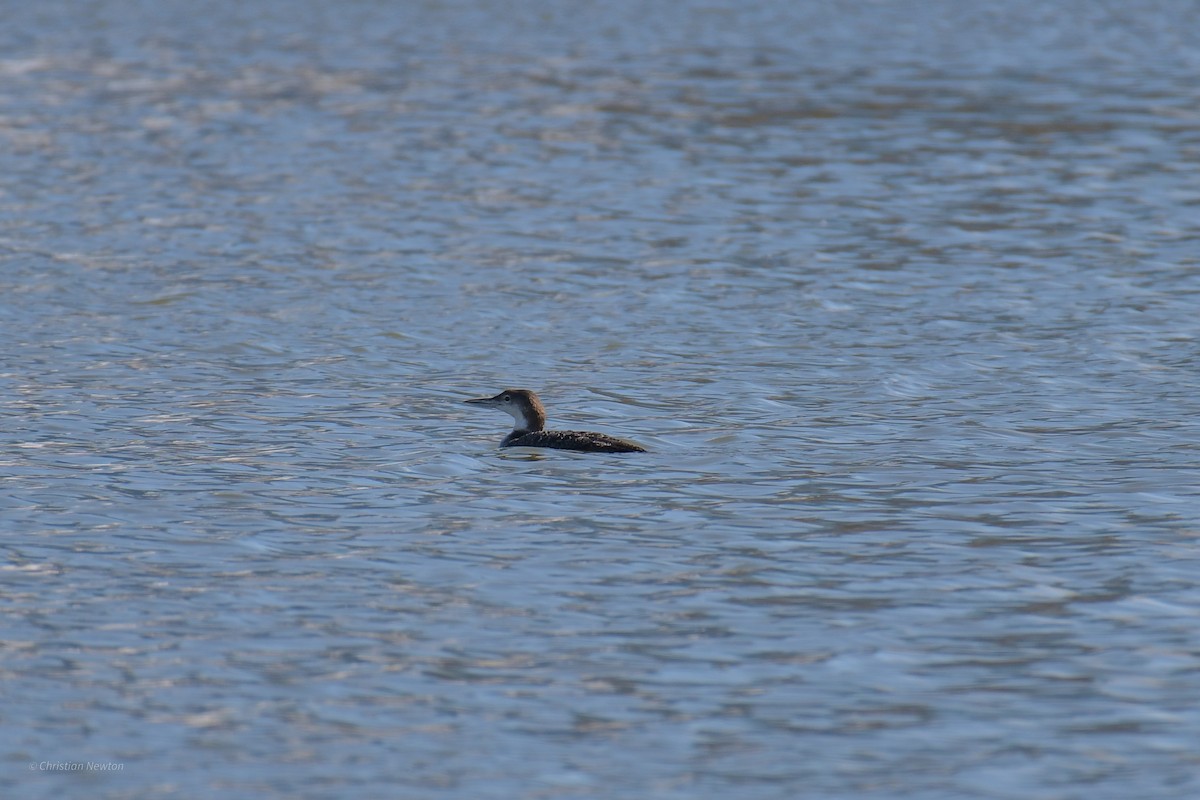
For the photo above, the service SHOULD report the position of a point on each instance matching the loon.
(530, 420)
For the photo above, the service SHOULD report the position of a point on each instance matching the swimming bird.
(529, 424)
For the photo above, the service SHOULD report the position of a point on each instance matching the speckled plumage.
(582, 441)
(530, 419)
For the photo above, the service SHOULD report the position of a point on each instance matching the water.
(901, 297)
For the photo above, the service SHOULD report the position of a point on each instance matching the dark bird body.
(570, 440)
(530, 421)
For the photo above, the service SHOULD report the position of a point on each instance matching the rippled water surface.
(901, 297)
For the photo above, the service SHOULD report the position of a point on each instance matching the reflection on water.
(900, 297)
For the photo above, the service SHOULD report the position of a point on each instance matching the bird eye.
(507, 399)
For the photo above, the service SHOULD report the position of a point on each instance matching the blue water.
(899, 296)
